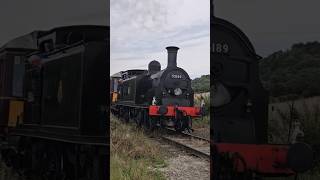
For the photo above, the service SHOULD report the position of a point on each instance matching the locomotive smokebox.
(172, 56)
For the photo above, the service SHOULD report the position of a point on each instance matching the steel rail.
(187, 147)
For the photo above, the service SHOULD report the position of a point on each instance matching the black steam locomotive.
(155, 97)
(53, 103)
(240, 148)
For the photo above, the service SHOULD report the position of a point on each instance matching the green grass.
(201, 123)
(133, 155)
(206, 98)
(205, 121)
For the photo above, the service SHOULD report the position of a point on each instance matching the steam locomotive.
(155, 97)
(53, 103)
(240, 148)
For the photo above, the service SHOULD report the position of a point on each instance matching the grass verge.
(201, 122)
(133, 155)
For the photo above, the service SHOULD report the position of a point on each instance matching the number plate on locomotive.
(176, 76)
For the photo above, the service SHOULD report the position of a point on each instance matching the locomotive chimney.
(172, 56)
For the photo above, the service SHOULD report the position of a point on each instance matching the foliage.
(291, 73)
(202, 84)
(279, 128)
(206, 98)
(308, 114)
(201, 122)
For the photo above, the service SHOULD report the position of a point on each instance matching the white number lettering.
(220, 48)
(176, 76)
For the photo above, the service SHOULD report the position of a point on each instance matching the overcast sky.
(142, 29)
(21, 17)
(273, 25)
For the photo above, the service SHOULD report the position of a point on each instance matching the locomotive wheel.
(152, 121)
(119, 113)
(181, 122)
(89, 166)
(178, 125)
(139, 119)
(55, 160)
(146, 123)
(126, 115)
(51, 161)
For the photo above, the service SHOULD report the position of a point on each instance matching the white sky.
(142, 29)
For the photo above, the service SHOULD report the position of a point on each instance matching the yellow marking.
(114, 97)
(15, 113)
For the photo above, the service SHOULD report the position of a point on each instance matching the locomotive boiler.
(156, 97)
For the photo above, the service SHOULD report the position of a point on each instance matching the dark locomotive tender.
(59, 129)
(157, 97)
(240, 148)
(72, 82)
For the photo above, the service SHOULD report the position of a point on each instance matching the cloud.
(141, 29)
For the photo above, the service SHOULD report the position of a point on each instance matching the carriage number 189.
(220, 48)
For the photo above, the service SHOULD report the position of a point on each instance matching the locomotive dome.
(154, 66)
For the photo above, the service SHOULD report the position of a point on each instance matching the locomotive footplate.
(181, 116)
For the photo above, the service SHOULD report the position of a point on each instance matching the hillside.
(285, 74)
(293, 73)
(201, 84)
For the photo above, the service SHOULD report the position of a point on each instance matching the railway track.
(195, 145)
(192, 144)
